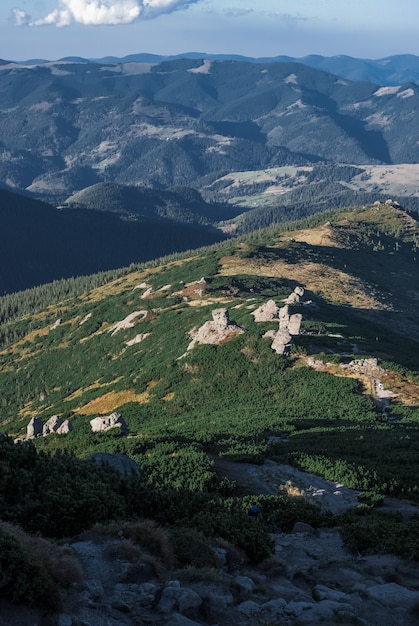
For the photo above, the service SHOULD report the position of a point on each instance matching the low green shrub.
(23, 581)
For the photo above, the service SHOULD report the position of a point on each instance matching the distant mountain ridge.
(391, 70)
(68, 125)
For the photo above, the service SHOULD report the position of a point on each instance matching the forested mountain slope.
(67, 125)
(41, 243)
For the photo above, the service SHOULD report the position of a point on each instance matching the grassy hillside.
(358, 268)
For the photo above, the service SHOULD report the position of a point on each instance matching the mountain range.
(391, 70)
(145, 157)
(68, 125)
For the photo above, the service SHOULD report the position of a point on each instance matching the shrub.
(192, 548)
(22, 580)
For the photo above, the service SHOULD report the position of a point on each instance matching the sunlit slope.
(123, 346)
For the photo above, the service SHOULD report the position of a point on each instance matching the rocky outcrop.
(311, 579)
(194, 289)
(267, 312)
(289, 326)
(296, 296)
(128, 322)
(85, 318)
(217, 331)
(34, 428)
(121, 462)
(102, 423)
(137, 339)
(55, 425)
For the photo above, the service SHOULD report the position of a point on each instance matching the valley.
(209, 291)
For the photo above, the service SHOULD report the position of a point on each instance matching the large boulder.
(266, 312)
(217, 331)
(103, 423)
(121, 462)
(34, 428)
(52, 425)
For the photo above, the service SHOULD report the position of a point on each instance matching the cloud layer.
(98, 12)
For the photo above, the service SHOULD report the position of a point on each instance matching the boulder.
(34, 428)
(65, 428)
(282, 341)
(216, 331)
(127, 322)
(103, 423)
(296, 296)
(52, 425)
(180, 598)
(266, 312)
(121, 462)
(393, 595)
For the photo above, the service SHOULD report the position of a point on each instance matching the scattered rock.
(103, 423)
(267, 312)
(34, 428)
(57, 323)
(121, 462)
(217, 331)
(137, 339)
(128, 322)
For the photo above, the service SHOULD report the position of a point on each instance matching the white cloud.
(238, 12)
(96, 12)
(20, 17)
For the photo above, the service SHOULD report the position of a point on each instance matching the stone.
(181, 620)
(121, 462)
(52, 425)
(266, 312)
(128, 322)
(321, 592)
(249, 608)
(393, 595)
(65, 428)
(303, 527)
(34, 428)
(217, 331)
(294, 324)
(137, 339)
(244, 583)
(105, 422)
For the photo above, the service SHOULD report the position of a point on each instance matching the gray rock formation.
(296, 296)
(55, 425)
(105, 422)
(52, 425)
(217, 331)
(266, 312)
(289, 326)
(128, 321)
(121, 462)
(34, 428)
(64, 428)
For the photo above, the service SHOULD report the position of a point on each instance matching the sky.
(53, 29)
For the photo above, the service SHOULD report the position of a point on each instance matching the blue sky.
(53, 29)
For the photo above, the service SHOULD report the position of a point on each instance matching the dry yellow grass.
(111, 401)
(96, 385)
(328, 283)
(130, 281)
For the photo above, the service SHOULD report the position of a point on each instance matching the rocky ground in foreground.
(310, 579)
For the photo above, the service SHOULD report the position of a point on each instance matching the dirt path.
(273, 478)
